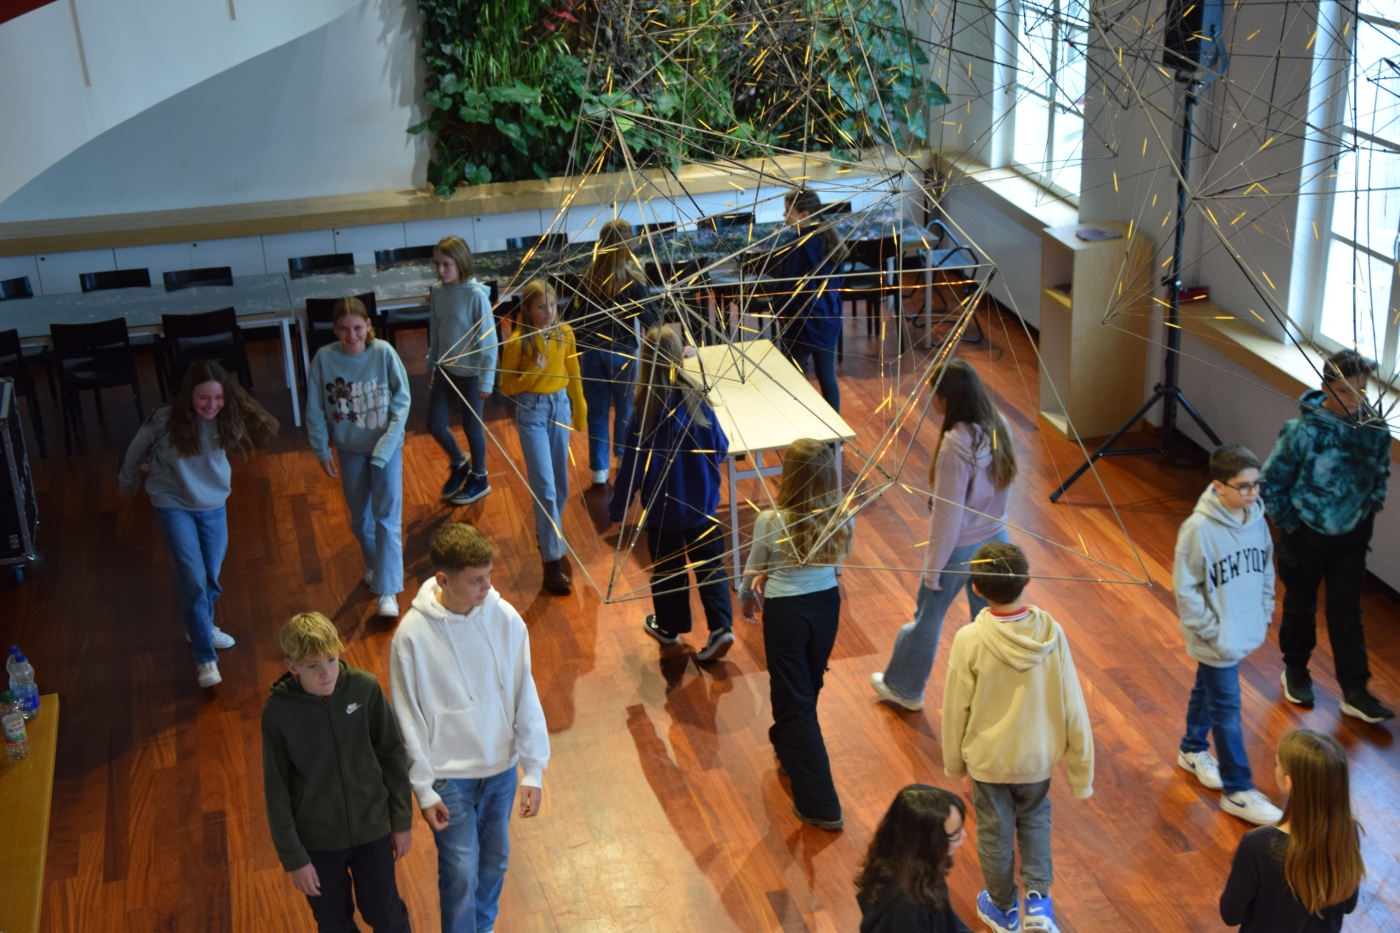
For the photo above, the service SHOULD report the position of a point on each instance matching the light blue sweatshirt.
(363, 403)
(462, 330)
(772, 554)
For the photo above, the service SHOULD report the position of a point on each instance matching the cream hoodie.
(1013, 706)
(463, 694)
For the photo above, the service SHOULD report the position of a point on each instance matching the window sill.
(1032, 205)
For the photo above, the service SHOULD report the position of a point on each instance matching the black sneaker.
(830, 826)
(1362, 705)
(1297, 686)
(651, 628)
(718, 645)
(456, 478)
(476, 488)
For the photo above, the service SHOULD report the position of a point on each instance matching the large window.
(1359, 306)
(1048, 120)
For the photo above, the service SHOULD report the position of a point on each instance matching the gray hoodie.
(363, 401)
(193, 484)
(462, 331)
(967, 505)
(1223, 576)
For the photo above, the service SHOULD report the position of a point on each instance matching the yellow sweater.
(519, 373)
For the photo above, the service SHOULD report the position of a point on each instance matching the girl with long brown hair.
(797, 546)
(184, 447)
(1303, 875)
(970, 478)
(903, 882)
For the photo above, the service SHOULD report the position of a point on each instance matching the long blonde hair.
(614, 266)
(967, 401)
(1322, 863)
(661, 371)
(808, 502)
(531, 336)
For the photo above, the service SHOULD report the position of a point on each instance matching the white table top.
(762, 400)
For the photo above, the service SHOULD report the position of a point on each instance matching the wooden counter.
(26, 787)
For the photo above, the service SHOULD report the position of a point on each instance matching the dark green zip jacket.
(334, 771)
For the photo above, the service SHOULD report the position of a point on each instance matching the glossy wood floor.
(663, 809)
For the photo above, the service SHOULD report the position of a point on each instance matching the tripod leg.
(1196, 416)
(1112, 439)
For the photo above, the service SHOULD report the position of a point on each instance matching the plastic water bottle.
(10, 661)
(23, 687)
(16, 739)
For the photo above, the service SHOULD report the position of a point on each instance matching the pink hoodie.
(967, 506)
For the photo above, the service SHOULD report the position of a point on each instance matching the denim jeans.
(198, 542)
(442, 398)
(1215, 707)
(473, 850)
(675, 553)
(798, 634)
(375, 497)
(1011, 816)
(824, 362)
(1307, 558)
(542, 422)
(608, 380)
(916, 645)
(361, 875)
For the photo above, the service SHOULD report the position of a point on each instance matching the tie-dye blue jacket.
(1326, 472)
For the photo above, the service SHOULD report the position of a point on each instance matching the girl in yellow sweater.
(540, 373)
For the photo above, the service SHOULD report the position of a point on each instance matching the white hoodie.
(463, 694)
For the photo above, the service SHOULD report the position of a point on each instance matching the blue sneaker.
(996, 919)
(1040, 912)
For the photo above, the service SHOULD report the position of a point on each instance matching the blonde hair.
(1322, 863)
(309, 635)
(346, 307)
(455, 248)
(614, 266)
(809, 502)
(660, 371)
(457, 546)
(534, 290)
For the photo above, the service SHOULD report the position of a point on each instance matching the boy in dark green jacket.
(336, 782)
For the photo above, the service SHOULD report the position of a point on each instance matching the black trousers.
(798, 632)
(671, 550)
(370, 868)
(1306, 558)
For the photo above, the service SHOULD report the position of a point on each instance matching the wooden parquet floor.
(662, 807)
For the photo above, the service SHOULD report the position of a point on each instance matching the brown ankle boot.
(555, 579)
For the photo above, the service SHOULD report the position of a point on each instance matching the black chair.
(944, 253)
(93, 356)
(639, 230)
(192, 278)
(331, 263)
(15, 365)
(723, 221)
(320, 320)
(837, 207)
(694, 288)
(867, 281)
(545, 241)
(16, 288)
(144, 343)
(404, 255)
(212, 335)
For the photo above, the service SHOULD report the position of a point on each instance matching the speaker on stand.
(19, 515)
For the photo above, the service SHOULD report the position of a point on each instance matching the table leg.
(840, 489)
(734, 521)
(928, 307)
(302, 330)
(289, 369)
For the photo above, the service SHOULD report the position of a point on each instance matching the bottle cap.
(19, 657)
(7, 697)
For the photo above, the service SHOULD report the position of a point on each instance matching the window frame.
(1061, 23)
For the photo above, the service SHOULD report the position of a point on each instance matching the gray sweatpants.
(1007, 815)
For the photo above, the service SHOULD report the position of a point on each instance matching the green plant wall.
(524, 88)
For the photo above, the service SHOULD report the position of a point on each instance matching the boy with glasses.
(1223, 575)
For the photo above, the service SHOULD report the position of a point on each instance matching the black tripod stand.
(1167, 391)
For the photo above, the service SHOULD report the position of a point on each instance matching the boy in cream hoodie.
(459, 666)
(1012, 707)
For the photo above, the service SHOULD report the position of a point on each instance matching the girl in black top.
(1303, 875)
(903, 885)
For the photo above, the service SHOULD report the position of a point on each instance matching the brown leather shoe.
(555, 579)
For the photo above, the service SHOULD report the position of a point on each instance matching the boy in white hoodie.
(459, 666)
(1223, 575)
(1012, 707)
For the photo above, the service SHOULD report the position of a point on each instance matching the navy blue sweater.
(811, 313)
(676, 466)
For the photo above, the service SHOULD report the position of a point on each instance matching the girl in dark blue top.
(809, 311)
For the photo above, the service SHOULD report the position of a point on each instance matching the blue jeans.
(916, 645)
(442, 397)
(375, 497)
(542, 422)
(1215, 707)
(198, 542)
(607, 381)
(824, 362)
(473, 850)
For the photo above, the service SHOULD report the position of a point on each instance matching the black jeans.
(671, 550)
(798, 632)
(371, 866)
(464, 394)
(1305, 559)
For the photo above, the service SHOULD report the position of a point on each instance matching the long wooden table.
(26, 787)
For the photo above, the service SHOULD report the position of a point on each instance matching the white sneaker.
(877, 680)
(369, 578)
(221, 639)
(1252, 807)
(208, 674)
(1203, 765)
(388, 606)
(600, 477)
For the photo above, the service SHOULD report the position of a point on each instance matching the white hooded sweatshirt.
(1223, 575)
(463, 694)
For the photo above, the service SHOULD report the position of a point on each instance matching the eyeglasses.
(1248, 489)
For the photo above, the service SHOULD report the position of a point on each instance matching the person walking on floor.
(807, 259)
(903, 882)
(1223, 576)
(461, 367)
(184, 446)
(796, 549)
(1323, 485)
(971, 473)
(1012, 707)
(361, 410)
(1303, 875)
(673, 456)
